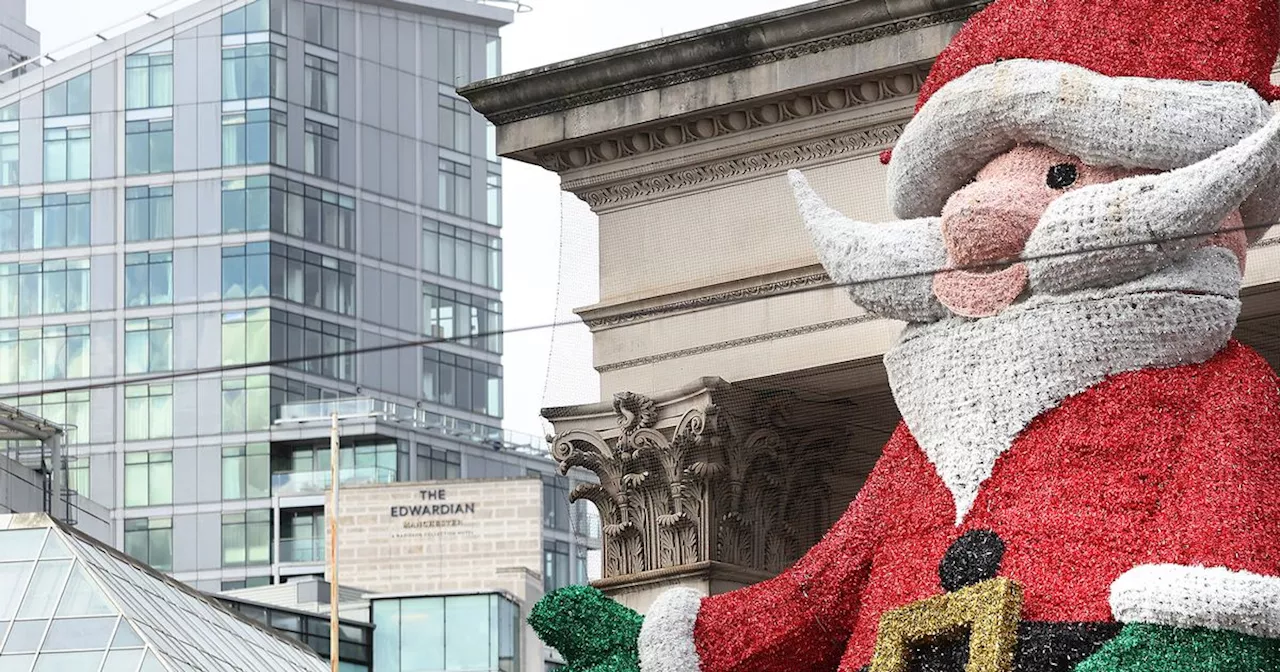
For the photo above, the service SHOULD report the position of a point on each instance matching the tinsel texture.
(592, 632)
(986, 612)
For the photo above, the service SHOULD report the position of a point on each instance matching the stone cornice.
(637, 142)
(790, 33)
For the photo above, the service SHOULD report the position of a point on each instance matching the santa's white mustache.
(1098, 236)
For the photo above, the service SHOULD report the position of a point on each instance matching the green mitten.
(591, 631)
(1159, 648)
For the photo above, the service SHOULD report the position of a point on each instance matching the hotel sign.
(430, 509)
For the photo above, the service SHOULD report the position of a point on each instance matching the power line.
(711, 303)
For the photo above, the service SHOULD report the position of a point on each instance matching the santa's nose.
(989, 222)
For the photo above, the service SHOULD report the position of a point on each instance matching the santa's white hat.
(1131, 83)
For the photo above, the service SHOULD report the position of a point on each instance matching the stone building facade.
(746, 389)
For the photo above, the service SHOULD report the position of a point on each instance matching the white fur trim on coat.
(1131, 122)
(1198, 597)
(666, 638)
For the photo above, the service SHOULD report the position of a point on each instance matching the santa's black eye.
(1061, 176)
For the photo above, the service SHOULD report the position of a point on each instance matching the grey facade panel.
(186, 482)
(102, 411)
(102, 348)
(296, 67)
(390, 297)
(186, 409)
(428, 54)
(102, 481)
(208, 541)
(369, 309)
(407, 47)
(370, 161)
(186, 209)
(389, 163)
(209, 397)
(209, 135)
(407, 85)
(209, 208)
(370, 92)
(185, 272)
(347, 88)
(31, 148)
(407, 173)
(209, 464)
(388, 85)
(102, 151)
(102, 93)
(296, 132)
(102, 272)
(346, 30)
(186, 69)
(209, 261)
(185, 342)
(102, 217)
(209, 49)
(186, 533)
(388, 41)
(210, 340)
(408, 243)
(406, 314)
(347, 151)
(186, 137)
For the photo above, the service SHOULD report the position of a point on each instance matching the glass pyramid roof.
(70, 604)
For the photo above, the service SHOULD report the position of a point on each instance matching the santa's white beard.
(967, 387)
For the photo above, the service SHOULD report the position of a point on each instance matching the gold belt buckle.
(990, 611)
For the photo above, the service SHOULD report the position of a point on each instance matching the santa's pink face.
(986, 225)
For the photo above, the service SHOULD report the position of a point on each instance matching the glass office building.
(220, 206)
(68, 602)
(446, 633)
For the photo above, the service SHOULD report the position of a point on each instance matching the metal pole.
(57, 508)
(333, 544)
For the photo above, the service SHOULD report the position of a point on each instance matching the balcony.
(302, 550)
(293, 483)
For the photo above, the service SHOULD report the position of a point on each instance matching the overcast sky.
(555, 30)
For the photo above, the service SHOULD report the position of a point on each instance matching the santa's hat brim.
(1130, 122)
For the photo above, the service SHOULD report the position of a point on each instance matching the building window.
(455, 124)
(474, 320)
(462, 254)
(68, 98)
(148, 478)
(66, 154)
(148, 147)
(56, 352)
(320, 143)
(246, 337)
(454, 57)
(302, 536)
(148, 213)
(256, 17)
(493, 199)
(70, 409)
(148, 345)
(555, 502)
(320, 346)
(555, 571)
(254, 71)
(44, 288)
(462, 382)
(148, 279)
(9, 156)
(439, 465)
(246, 204)
(148, 77)
(313, 214)
(246, 471)
(254, 137)
(313, 279)
(9, 112)
(246, 271)
(246, 404)
(320, 25)
(455, 187)
(320, 86)
(78, 475)
(457, 632)
(251, 582)
(246, 538)
(57, 220)
(148, 412)
(150, 540)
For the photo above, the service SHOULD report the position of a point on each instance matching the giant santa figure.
(1087, 475)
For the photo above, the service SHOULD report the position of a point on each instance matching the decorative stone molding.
(721, 475)
(595, 151)
(774, 160)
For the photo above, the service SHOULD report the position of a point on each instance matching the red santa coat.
(1176, 466)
